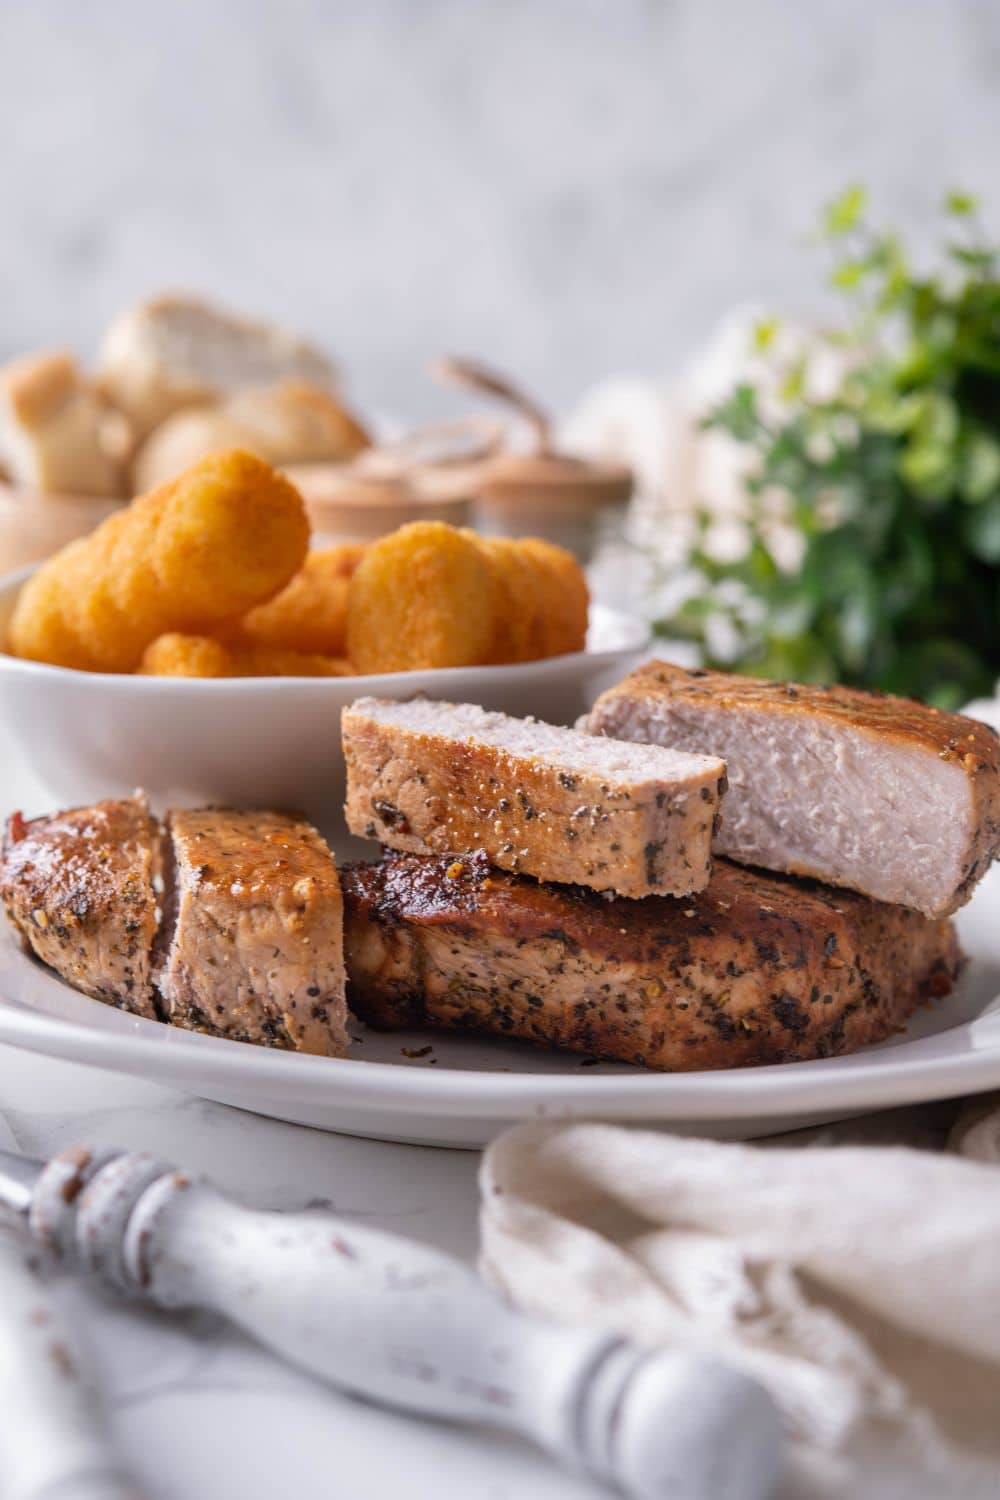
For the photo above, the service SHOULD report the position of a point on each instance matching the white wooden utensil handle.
(53, 1443)
(412, 1328)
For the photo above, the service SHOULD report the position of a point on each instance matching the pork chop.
(426, 777)
(80, 887)
(883, 795)
(251, 948)
(755, 969)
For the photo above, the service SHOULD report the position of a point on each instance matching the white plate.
(463, 1091)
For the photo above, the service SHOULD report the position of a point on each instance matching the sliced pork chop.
(80, 887)
(426, 777)
(252, 947)
(883, 795)
(755, 969)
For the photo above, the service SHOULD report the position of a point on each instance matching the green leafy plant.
(890, 479)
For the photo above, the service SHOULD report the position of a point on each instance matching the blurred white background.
(571, 187)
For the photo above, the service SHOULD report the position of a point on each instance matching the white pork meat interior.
(818, 798)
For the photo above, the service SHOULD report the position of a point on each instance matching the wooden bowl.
(353, 506)
(34, 524)
(556, 496)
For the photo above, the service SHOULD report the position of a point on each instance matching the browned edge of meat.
(884, 795)
(755, 969)
(254, 949)
(80, 888)
(238, 930)
(428, 777)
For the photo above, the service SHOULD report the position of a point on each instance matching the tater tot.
(310, 614)
(519, 629)
(177, 655)
(545, 606)
(201, 550)
(425, 596)
(53, 639)
(270, 661)
(566, 598)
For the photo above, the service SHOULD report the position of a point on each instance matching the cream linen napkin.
(860, 1284)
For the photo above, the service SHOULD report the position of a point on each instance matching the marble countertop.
(198, 1411)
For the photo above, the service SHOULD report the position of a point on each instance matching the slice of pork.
(253, 945)
(883, 795)
(428, 777)
(80, 887)
(755, 968)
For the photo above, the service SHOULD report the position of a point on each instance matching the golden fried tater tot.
(310, 614)
(519, 628)
(425, 596)
(565, 600)
(176, 655)
(269, 661)
(53, 638)
(201, 550)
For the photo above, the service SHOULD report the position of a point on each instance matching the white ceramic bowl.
(271, 741)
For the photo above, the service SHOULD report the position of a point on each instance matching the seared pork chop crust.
(755, 969)
(883, 795)
(232, 923)
(901, 719)
(80, 889)
(256, 947)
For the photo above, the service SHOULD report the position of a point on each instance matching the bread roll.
(174, 351)
(295, 421)
(54, 429)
